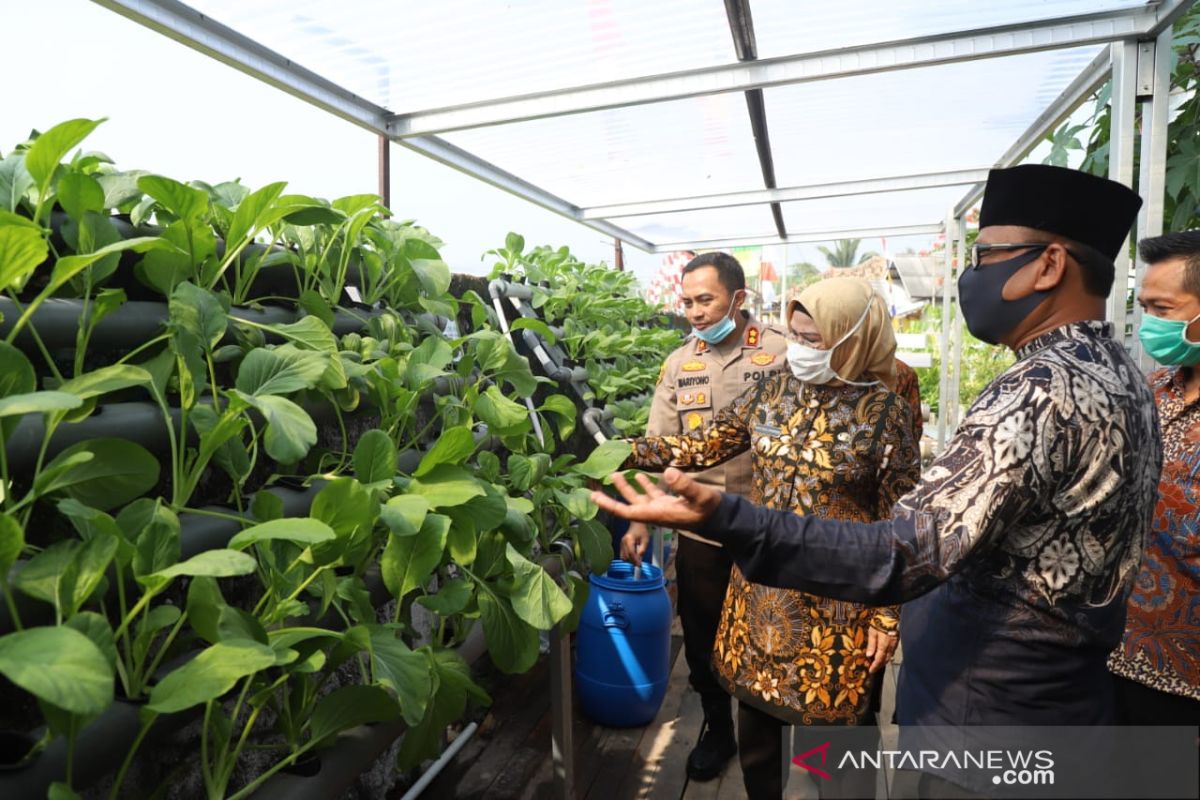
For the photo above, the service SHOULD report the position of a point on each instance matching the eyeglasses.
(978, 251)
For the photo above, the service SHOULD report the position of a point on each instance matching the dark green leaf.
(21, 251)
(299, 531)
(445, 486)
(49, 149)
(408, 561)
(454, 446)
(79, 194)
(604, 460)
(402, 671)
(117, 472)
(60, 666)
(209, 675)
(349, 707)
(512, 642)
(282, 370)
(375, 457)
(537, 599)
(451, 598)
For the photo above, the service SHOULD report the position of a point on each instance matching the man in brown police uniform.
(727, 353)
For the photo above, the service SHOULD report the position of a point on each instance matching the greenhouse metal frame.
(1131, 43)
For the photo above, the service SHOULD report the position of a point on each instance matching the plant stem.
(12, 606)
(203, 512)
(145, 346)
(147, 721)
(162, 650)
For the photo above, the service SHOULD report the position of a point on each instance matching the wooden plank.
(523, 765)
(521, 703)
(656, 739)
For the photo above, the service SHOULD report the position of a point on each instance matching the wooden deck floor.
(509, 757)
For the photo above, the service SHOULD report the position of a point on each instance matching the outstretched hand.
(690, 506)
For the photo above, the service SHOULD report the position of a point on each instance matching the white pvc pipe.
(443, 760)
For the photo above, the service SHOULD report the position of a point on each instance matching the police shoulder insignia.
(752, 336)
(701, 347)
(694, 366)
(694, 421)
(763, 359)
(662, 372)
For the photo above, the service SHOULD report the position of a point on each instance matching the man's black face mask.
(988, 315)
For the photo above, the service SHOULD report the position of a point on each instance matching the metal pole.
(1152, 181)
(960, 241)
(618, 255)
(385, 171)
(563, 750)
(947, 310)
(1120, 163)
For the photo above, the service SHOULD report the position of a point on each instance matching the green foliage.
(1182, 209)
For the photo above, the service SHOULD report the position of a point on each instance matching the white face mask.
(815, 366)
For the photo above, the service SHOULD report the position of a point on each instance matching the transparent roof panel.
(888, 209)
(410, 55)
(786, 27)
(680, 148)
(928, 119)
(691, 226)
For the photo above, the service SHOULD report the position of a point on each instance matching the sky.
(180, 113)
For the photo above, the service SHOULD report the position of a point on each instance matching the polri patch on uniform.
(762, 359)
(694, 421)
(694, 366)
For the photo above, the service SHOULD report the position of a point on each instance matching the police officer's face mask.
(716, 333)
(988, 315)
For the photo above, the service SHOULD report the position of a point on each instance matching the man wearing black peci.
(1016, 552)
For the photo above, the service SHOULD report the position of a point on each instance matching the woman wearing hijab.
(831, 439)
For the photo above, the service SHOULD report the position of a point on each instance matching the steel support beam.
(788, 194)
(959, 243)
(1077, 92)
(798, 238)
(1153, 172)
(945, 366)
(1167, 13)
(442, 151)
(187, 26)
(1120, 165)
(944, 48)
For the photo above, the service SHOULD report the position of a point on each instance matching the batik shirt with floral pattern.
(843, 452)
(1016, 553)
(1161, 648)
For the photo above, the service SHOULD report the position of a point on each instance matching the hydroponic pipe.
(57, 320)
(496, 289)
(445, 758)
(99, 748)
(505, 288)
(591, 423)
(198, 533)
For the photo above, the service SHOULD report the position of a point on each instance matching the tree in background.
(801, 275)
(844, 253)
(1182, 209)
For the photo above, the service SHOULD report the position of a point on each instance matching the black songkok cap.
(1091, 210)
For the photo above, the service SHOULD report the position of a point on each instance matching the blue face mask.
(1166, 341)
(715, 334)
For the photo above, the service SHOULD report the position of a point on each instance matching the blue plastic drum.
(623, 647)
